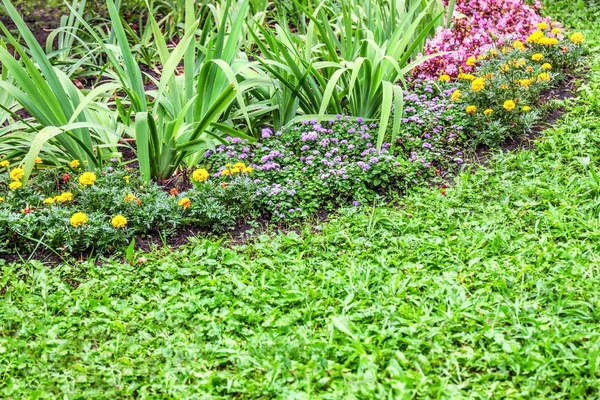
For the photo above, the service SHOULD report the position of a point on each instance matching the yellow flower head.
(529, 69)
(478, 85)
(248, 170)
(525, 82)
(78, 219)
(87, 179)
(509, 105)
(444, 78)
(506, 49)
(4, 163)
(546, 66)
(16, 174)
(455, 95)
(235, 170)
(126, 178)
(504, 86)
(239, 165)
(546, 41)
(537, 57)
(542, 25)
(493, 52)
(505, 68)
(526, 108)
(119, 221)
(48, 200)
(185, 203)
(1, 199)
(520, 63)
(489, 111)
(577, 38)
(471, 110)
(75, 164)
(129, 197)
(471, 61)
(544, 77)
(200, 175)
(64, 197)
(517, 44)
(225, 172)
(38, 160)
(467, 77)
(535, 37)
(556, 31)
(15, 185)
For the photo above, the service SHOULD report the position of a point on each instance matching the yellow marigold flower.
(537, 57)
(577, 38)
(506, 49)
(78, 219)
(556, 31)
(526, 108)
(126, 178)
(546, 41)
(544, 77)
(493, 52)
(535, 37)
(200, 175)
(444, 78)
(529, 69)
(64, 197)
(185, 203)
(38, 160)
(504, 86)
(517, 44)
(235, 170)
(15, 185)
(239, 165)
(48, 200)
(546, 66)
(248, 170)
(129, 197)
(4, 163)
(225, 172)
(489, 111)
(505, 68)
(16, 174)
(478, 85)
(542, 25)
(509, 105)
(467, 77)
(455, 95)
(75, 164)
(119, 221)
(520, 63)
(525, 82)
(87, 179)
(471, 61)
(1, 199)
(471, 110)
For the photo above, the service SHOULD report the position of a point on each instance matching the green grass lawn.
(489, 291)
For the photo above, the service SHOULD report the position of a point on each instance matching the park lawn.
(487, 290)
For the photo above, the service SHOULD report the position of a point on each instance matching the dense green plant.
(341, 65)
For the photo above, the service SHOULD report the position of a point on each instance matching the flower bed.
(309, 167)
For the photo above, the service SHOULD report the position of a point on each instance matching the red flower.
(66, 178)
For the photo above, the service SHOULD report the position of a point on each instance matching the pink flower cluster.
(476, 25)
